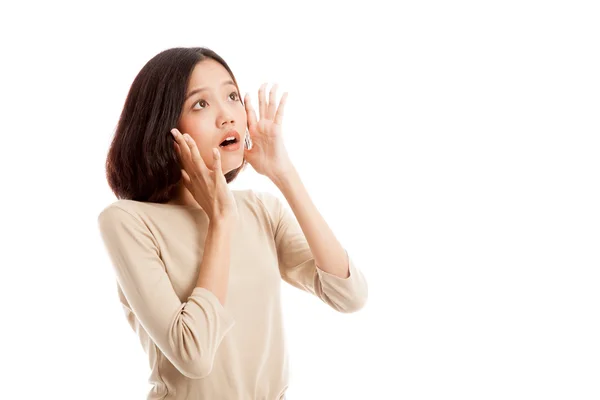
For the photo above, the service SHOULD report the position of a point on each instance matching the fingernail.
(174, 132)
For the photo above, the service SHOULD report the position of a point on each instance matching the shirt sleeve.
(298, 268)
(188, 333)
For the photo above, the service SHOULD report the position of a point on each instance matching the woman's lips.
(231, 147)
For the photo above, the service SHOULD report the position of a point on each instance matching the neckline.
(177, 206)
(168, 205)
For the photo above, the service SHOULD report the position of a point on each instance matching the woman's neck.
(184, 197)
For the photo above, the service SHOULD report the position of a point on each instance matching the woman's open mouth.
(230, 144)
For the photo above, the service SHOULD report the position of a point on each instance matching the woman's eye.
(202, 103)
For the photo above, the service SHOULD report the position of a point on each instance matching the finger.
(185, 177)
(251, 114)
(185, 146)
(216, 162)
(184, 151)
(195, 154)
(272, 102)
(262, 106)
(279, 116)
(177, 137)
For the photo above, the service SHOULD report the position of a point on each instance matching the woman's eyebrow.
(198, 90)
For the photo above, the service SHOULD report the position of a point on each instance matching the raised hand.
(268, 155)
(209, 187)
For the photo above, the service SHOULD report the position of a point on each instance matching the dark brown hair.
(142, 163)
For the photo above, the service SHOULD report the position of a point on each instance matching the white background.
(452, 146)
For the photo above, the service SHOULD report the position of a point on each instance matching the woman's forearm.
(214, 268)
(329, 254)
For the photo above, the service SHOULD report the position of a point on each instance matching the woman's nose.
(226, 118)
(225, 115)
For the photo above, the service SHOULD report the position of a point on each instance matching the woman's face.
(212, 111)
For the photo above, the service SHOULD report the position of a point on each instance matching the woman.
(199, 266)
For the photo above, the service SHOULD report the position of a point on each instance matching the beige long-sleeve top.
(198, 348)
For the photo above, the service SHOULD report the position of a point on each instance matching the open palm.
(268, 155)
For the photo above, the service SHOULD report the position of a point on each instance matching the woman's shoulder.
(143, 210)
(128, 206)
(257, 201)
(131, 207)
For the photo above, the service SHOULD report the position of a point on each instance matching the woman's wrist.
(222, 223)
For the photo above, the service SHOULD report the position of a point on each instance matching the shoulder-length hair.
(142, 163)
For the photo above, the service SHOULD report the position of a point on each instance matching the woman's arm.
(309, 255)
(329, 254)
(214, 268)
(298, 265)
(187, 333)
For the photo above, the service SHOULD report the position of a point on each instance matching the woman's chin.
(231, 163)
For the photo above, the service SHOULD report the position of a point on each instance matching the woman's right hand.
(209, 187)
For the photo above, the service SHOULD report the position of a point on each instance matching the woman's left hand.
(268, 155)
